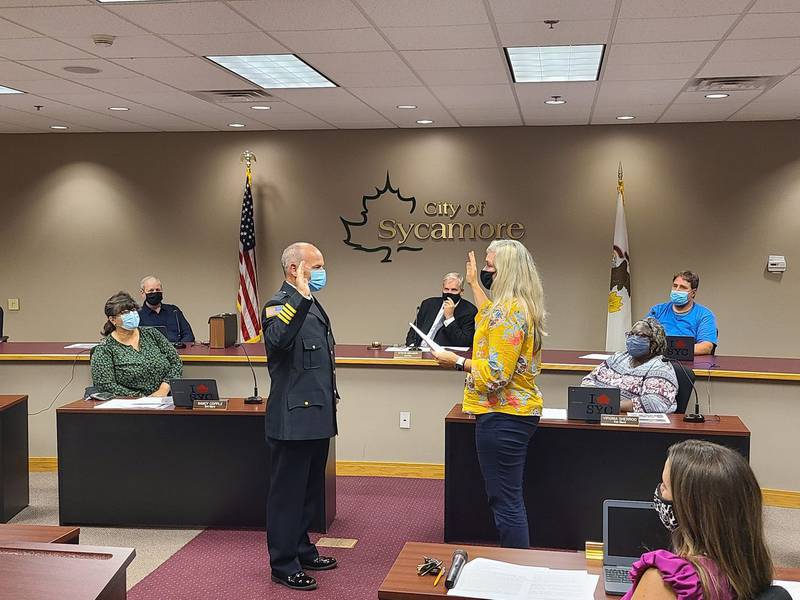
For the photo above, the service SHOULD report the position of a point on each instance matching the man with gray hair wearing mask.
(155, 313)
(448, 319)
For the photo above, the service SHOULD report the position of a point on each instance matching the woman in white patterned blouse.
(646, 382)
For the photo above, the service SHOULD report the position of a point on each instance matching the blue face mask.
(679, 298)
(637, 346)
(318, 280)
(130, 320)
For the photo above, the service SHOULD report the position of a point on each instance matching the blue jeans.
(502, 443)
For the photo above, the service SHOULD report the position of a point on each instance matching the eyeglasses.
(633, 334)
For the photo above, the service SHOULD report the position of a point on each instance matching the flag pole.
(248, 158)
(620, 183)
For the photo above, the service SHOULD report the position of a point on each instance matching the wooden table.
(572, 467)
(724, 367)
(403, 583)
(48, 534)
(170, 468)
(14, 483)
(38, 571)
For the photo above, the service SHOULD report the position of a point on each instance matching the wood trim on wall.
(772, 497)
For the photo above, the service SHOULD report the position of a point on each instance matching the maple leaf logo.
(367, 202)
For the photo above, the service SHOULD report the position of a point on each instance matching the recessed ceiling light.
(58, 127)
(82, 70)
(555, 100)
(625, 118)
(8, 90)
(717, 96)
(119, 108)
(274, 70)
(424, 121)
(260, 107)
(406, 106)
(235, 124)
(555, 63)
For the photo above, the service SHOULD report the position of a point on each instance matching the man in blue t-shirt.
(683, 316)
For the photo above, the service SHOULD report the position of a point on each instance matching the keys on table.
(430, 566)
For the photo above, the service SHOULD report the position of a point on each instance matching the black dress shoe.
(297, 581)
(321, 563)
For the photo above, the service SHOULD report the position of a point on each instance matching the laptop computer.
(680, 347)
(186, 391)
(630, 528)
(588, 403)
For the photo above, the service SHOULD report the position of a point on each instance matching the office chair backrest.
(685, 383)
(774, 592)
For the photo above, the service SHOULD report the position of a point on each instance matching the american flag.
(247, 299)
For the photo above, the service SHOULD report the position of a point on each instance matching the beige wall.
(86, 214)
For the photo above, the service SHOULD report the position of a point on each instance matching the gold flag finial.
(619, 172)
(620, 184)
(248, 158)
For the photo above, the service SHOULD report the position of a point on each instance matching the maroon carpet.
(382, 513)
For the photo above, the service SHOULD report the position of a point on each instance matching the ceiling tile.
(665, 52)
(647, 9)
(482, 118)
(300, 15)
(9, 30)
(332, 40)
(377, 122)
(18, 3)
(565, 33)
(71, 21)
(542, 121)
(681, 29)
(425, 13)
(487, 97)
(186, 73)
(644, 113)
(766, 111)
(736, 99)
(787, 90)
(48, 85)
(615, 93)
(56, 67)
(754, 50)
(683, 113)
(467, 59)
(225, 44)
(386, 99)
(11, 70)
(137, 46)
(363, 69)
(514, 11)
(774, 6)
(442, 37)
(464, 77)
(38, 48)
(744, 68)
(188, 18)
(615, 71)
(133, 83)
(767, 25)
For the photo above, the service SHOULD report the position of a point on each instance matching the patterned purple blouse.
(679, 574)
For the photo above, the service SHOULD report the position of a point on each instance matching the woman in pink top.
(709, 498)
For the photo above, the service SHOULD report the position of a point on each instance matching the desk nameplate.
(221, 404)
(620, 420)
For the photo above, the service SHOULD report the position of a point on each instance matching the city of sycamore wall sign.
(376, 231)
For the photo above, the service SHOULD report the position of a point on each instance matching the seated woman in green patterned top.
(131, 361)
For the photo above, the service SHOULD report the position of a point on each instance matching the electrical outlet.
(13, 304)
(405, 420)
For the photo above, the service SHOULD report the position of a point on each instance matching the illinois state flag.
(619, 296)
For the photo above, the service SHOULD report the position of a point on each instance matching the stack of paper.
(650, 418)
(151, 403)
(558, 414)
(495, 580)
(793, 587)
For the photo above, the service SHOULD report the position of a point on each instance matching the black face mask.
(487, 277)
(454, 297)
(154, 298)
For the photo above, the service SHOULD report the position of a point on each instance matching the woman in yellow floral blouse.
(500, 388)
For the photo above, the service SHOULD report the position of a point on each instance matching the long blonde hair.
(718, 507)
(517, 279)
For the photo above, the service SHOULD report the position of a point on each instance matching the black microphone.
(255, 398)
(456, 564)
(416, 346)
(178, 343)
(694, 417)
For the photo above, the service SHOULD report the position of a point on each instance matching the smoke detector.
(103, 39)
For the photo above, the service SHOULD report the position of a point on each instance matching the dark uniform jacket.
(301, 363)
(459, 333)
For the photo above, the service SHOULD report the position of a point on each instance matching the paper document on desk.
(596, 356)
(431, 344)
(793, 587)
(557, 414)
(398, 349)
(495, 580)
(150, 402)
(652, 418)
(81, 346)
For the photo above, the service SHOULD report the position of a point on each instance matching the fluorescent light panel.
(8, 90)
(555, 63)
(274, 71)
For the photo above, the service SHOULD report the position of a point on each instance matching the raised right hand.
(301, 280)
(472, 268)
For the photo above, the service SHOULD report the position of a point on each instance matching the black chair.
(685, 385)
(774, 592)
(3, 338)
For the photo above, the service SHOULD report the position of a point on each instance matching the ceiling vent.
(731, 84)
(234, 96)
